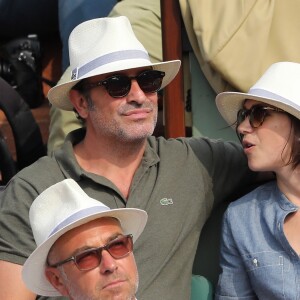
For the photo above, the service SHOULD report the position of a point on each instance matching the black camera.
(20, 66)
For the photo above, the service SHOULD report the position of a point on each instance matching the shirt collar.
(66, 159)
(284, 202)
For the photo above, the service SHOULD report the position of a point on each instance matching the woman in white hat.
(260, 239)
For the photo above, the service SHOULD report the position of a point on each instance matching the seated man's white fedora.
(102, 46)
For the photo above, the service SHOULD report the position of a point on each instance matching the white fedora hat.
(58, 209)
(102, 46)
(279, 86)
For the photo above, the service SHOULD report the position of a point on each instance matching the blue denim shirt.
(257, 261)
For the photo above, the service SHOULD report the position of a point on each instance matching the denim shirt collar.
(284, 202)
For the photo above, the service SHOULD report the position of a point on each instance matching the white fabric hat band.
(266, 94)
(106, 59)
(77, 216)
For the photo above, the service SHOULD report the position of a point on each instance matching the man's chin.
(137, 135)
(116, 294)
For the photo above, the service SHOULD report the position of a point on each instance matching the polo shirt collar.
(66, 159)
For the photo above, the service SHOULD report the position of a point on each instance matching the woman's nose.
(244, 126)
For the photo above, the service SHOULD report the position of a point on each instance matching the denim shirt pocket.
(268, 270)
(260, 260)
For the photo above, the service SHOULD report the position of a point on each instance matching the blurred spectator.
(74, 12)
(19, 18)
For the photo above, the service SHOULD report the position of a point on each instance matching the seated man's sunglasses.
(91, 258)
(257, 114)
(118, 86)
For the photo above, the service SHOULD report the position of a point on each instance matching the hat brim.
(229, 103)
(132, 221)
(59, 95)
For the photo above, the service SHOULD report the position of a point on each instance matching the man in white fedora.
(113, 88)
(85, 250)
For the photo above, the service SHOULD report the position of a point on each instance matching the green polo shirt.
(177, 183)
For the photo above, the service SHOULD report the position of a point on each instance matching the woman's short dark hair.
(295, 138)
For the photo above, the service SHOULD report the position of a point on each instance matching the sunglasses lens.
(118, 85)
(87, 260)
(241, 116)
(150, 81)
(120, 247)
(117, 248)
(257, 116)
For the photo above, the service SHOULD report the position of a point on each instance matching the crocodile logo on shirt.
(166, 201)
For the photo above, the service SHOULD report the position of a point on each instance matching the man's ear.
(54, 277)
(79, 103)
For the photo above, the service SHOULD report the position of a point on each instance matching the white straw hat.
(101, 46)
(279, 86)
(58, 209)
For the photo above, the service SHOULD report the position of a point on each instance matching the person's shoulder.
(194, 141)
(42, 164)
(180, 145)
(211, 144)
(162, 142)
(205, 149)
(31, 181)
(258, 197)
(246, 212)
(44, 171)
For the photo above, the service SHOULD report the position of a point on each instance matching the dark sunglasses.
(256, 114)
(118, 86)
(91, 258)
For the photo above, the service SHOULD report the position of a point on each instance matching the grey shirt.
(177, 183)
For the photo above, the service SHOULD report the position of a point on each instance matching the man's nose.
(136, 93)
(108, 263)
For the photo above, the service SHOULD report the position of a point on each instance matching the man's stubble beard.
(112, 128)
(76, 294)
